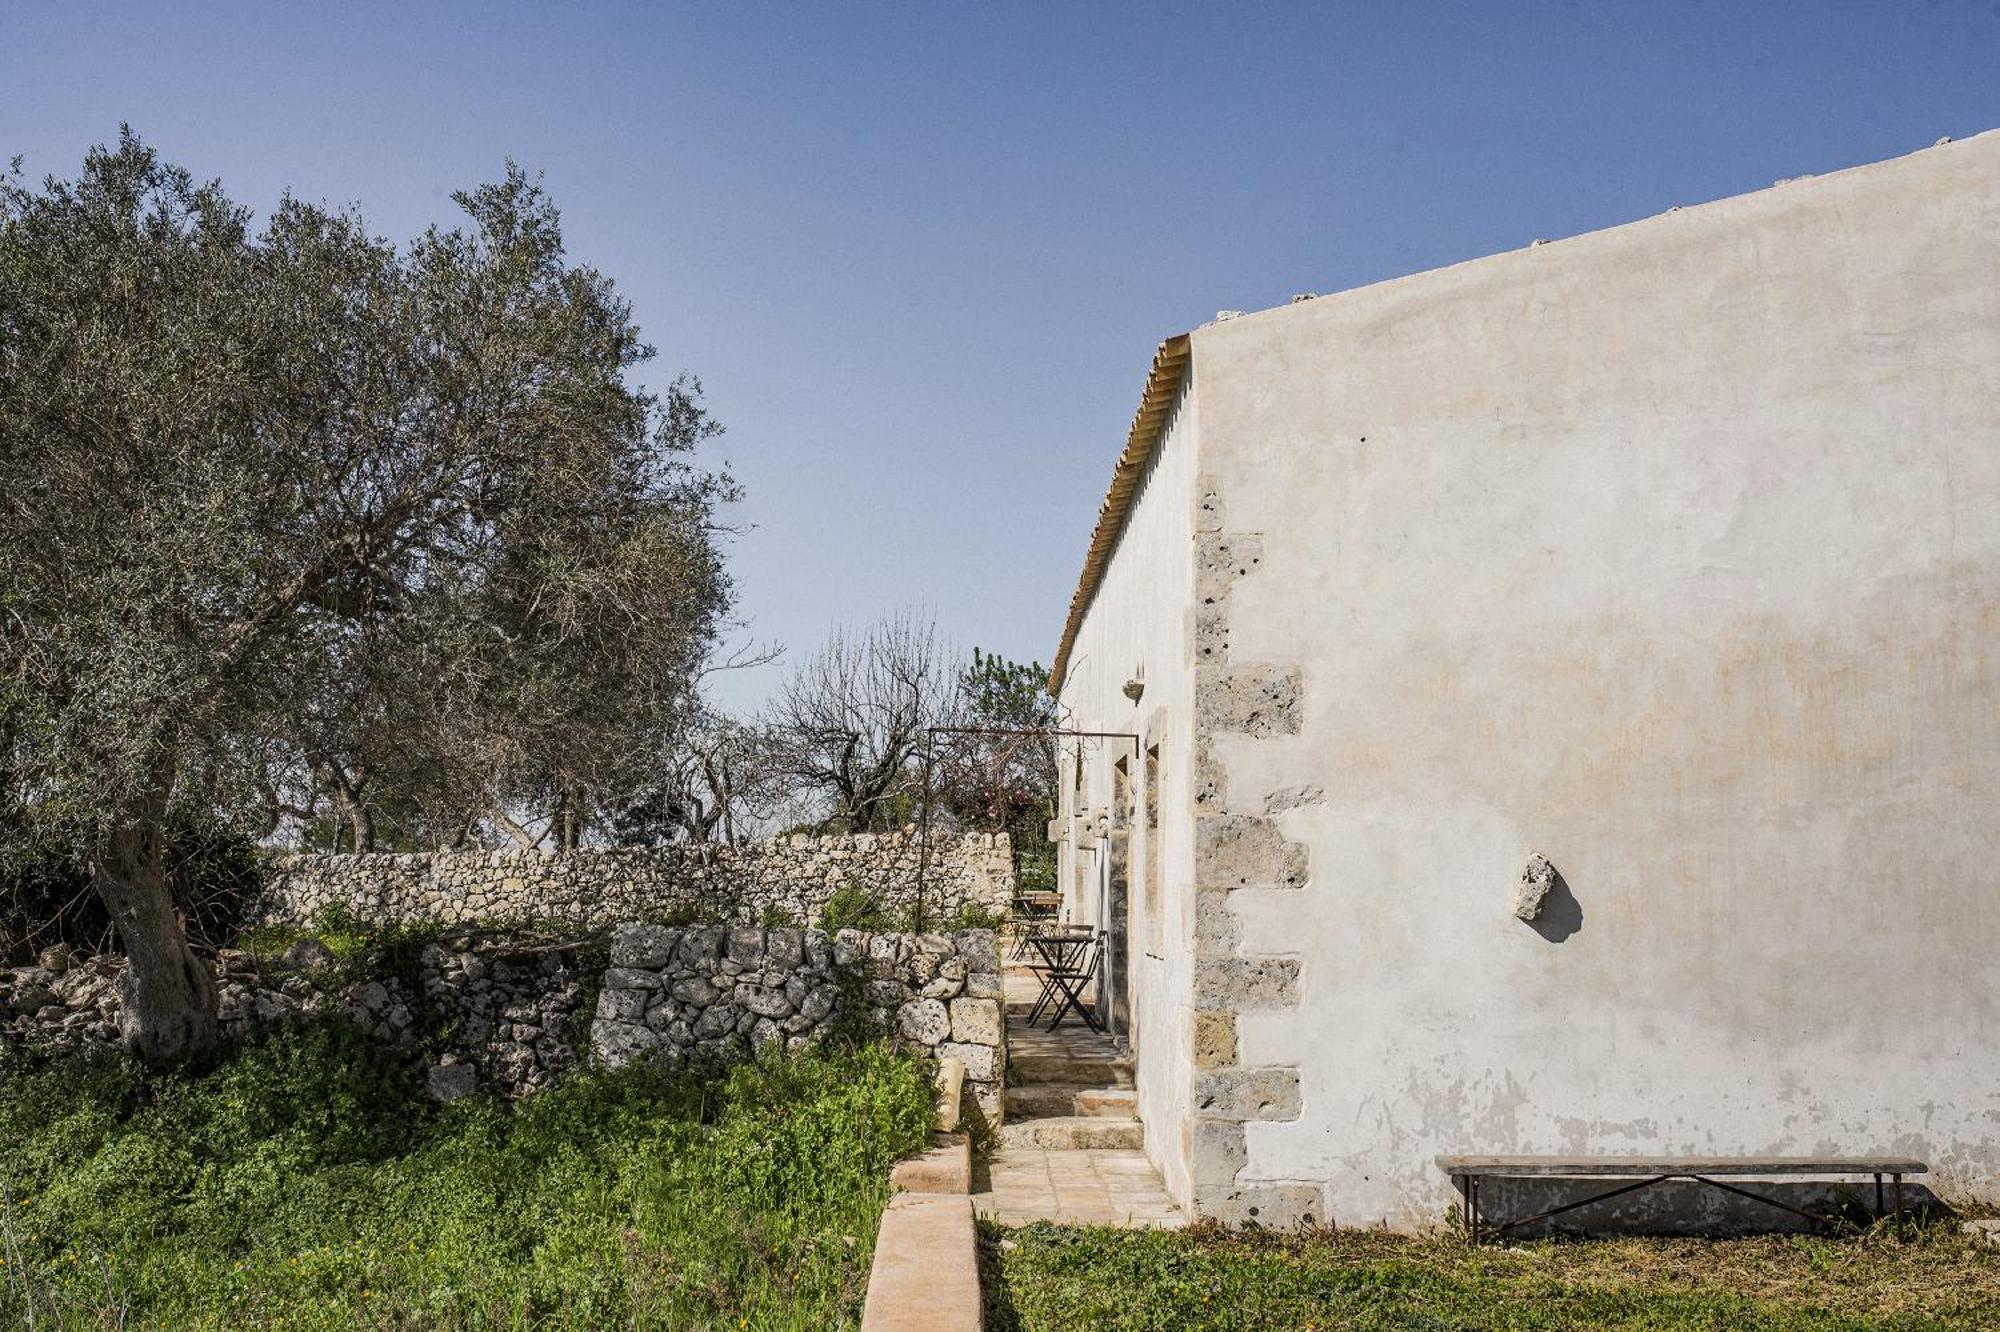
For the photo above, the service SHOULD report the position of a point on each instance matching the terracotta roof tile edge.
(1163, 381)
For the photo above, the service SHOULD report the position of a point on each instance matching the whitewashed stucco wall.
(1671, 552)
(1137, 626)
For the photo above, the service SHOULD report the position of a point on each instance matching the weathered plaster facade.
(1668, 553)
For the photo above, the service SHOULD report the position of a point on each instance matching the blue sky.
(920, 255)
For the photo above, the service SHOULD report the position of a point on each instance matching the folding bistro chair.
(1057, 950)
(1071, 980)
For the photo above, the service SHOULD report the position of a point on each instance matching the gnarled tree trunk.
(167, 998)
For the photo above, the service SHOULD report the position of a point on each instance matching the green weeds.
(301, 1181)
(1046, 1277)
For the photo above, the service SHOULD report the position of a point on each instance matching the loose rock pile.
(795, 876)
(676, 994)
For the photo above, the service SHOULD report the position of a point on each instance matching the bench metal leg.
(1758, 1197)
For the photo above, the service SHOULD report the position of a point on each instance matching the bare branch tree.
(848, 727)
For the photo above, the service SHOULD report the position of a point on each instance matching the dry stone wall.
(503, 1014)
(510, 1012)
(672, 995)
(793, 876)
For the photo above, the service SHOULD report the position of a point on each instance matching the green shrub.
(972, 916)
(775, 917)
(853, 907)
(302, 1181)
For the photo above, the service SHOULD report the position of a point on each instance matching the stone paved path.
(1069, 1151)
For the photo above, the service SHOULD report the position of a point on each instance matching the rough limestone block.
(618, 1044)
(622, 1005)
(982, 1062)
(1208, 505)
(1531, 894)
(984, 985)
(1246, 851)
(1216, 1151)
(629, 978)
(1210, 633)
(1259, 700)
(1220, 559)
(699, 946)
(1217, 930)
(925, 1021)
(695, 990)
(1287, 798)
(980, 949)
(1215, 1040)
(978, 1021)
(1247, 1094)
(1272, 1206)
(449, 1082)
(1211, 781)
(1246, 984)
(642, 946)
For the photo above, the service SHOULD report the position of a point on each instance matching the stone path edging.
(925, 1277)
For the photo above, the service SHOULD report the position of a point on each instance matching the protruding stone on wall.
(1537, 881)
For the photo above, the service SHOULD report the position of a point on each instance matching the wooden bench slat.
(1680, 1165)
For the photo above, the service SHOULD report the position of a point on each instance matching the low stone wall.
(507, 1012)
(674, 994)
(597, 888)
(500, 1013)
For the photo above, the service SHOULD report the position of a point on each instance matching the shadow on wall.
(1561, 914)
(1682, 1207)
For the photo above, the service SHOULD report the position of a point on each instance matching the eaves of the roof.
(1163, 381)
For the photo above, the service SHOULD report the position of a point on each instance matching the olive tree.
(290, 507)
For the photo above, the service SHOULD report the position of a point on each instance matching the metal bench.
(1643, 1171)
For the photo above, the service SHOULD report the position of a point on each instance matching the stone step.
(1071, 1070)
(1046, 1099)
(1108, 1103)
(1074, 1133)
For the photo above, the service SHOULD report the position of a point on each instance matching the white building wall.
(1671, 552)
(1136, 628)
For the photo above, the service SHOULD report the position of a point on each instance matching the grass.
(301, 1182)
(1206, 1280)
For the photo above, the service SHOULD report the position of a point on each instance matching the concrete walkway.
(1070, 1149)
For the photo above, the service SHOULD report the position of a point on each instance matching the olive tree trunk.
(167, 998)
